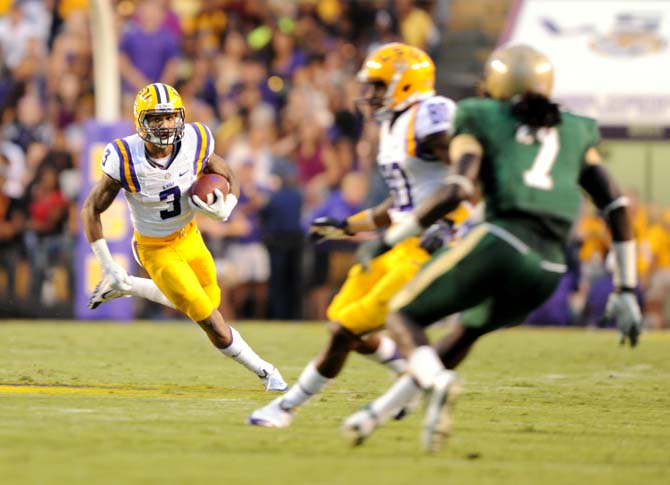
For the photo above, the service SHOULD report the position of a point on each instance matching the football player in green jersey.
(531, 161)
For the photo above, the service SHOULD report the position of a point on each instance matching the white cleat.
(272, 415)
(103, 293)
(359, 426)
(273, 381)
(439, 409)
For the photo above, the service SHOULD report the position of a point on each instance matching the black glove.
(436, 236)
(369, 250)
(323, 228)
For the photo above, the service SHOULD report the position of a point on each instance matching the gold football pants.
(183, 269)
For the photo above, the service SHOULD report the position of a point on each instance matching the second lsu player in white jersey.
(413, 161)
(155, 169)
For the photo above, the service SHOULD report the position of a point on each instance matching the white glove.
(623, 307)
(220, 209)
(118, 277)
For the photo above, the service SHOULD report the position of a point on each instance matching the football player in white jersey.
(155, 169)
(413, 160)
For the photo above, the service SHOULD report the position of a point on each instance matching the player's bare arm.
(437, 145)
(218, 165)
(97, 202)
(367, 220)
(370, 219)
(466, 152)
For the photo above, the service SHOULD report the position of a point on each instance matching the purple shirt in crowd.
(149, 51)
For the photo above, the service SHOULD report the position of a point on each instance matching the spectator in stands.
(12, 221)
(208, 24)
(19, 38)
(64, 107)
(384, 30)
(286, 57)
(15, 178)
(416, 26)
(229, 61)
(247, 251)
(171, 21)
(255, 146)
(47, 216)
(148, 50)
(71, 52)
(283, 237)
(30, 125)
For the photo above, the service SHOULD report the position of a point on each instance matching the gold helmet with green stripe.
(159, 99)
(516, 70)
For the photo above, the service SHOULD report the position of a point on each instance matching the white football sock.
(387, 354)
(424, 365)
(241, 352)
(386, 406)
(308, 384)
(146, 288)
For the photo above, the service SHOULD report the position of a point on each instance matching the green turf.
(154, 403)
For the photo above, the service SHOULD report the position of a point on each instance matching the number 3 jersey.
(410, 174)
(157, 196)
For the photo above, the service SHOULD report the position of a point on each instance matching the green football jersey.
(525, 173)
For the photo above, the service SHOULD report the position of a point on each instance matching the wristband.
(625, 264)
(101, 251)
(230, 200)
(362, 221)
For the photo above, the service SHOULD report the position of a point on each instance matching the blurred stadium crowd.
(275, 81)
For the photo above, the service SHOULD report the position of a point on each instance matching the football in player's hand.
(205, 184)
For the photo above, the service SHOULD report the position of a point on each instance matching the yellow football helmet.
(514, 70)
(154, 99)
(407, 73)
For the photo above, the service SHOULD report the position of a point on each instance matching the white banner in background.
(611, 58)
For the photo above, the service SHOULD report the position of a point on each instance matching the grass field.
(154, 403)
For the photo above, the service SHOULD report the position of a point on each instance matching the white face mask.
(162, 136)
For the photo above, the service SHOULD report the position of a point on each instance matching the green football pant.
(491, 276)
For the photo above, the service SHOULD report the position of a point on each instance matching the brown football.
(205, 184)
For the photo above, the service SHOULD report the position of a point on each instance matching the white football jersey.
(157, 196)
(410, 175)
